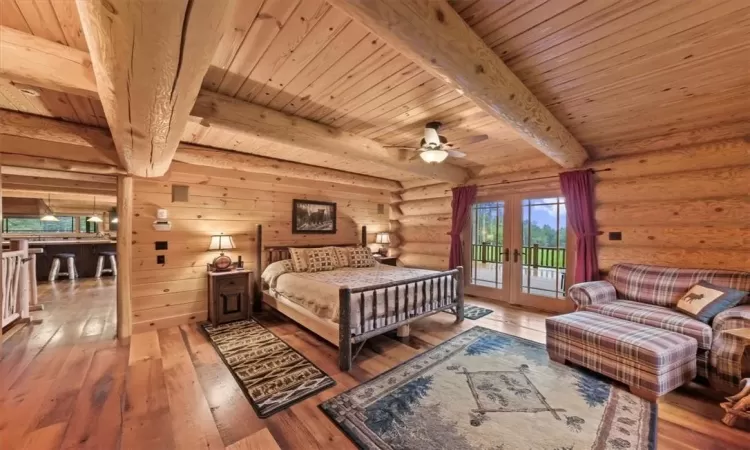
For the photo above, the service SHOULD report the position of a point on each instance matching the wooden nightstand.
(388, 260)
(736, 406)
(229, 295)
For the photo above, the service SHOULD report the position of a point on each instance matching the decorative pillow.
(342, 256)
(299, 259)
(320, 259)
(705, 300)
(336, 262)
(274, 270)
(360, 257)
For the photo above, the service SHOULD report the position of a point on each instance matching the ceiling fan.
(434, 148)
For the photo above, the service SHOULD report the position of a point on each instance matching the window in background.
(65, 224)
(88, 227)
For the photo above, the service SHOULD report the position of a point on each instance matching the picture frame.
(313, 217)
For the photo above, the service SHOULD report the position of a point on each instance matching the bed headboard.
(275, 253)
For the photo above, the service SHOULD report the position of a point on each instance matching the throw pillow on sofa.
(704, 300)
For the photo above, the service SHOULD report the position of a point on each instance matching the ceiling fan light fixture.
(433, 156)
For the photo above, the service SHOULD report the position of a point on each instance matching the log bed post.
(258, 290)
(364, 236)
(345, 329)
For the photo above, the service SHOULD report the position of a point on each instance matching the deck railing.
(533, 256)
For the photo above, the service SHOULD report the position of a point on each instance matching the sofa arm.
(729, 353)
(592, 292)
(737, 317)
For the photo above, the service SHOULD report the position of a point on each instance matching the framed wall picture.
(313, 217)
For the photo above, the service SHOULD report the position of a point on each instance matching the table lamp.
(383, 239)
(221, 242)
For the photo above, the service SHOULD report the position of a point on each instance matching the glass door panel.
(487, 244)
(544, 243)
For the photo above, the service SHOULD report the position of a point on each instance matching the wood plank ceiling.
(611, 71)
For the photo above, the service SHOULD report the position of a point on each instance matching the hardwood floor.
(66, 383)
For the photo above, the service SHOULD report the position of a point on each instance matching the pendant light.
(51, 216)
(95, 218)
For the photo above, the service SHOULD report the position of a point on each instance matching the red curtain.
(463, 198)
(578, 189)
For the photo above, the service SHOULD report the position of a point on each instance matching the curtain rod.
(535, 179)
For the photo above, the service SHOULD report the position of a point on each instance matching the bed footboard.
(411, 300)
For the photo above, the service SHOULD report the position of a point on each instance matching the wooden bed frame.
(339, 334)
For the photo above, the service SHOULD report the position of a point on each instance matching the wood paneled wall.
(687, 206)
(229, 202)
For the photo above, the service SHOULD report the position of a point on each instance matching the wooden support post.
(124, 255)
(34, 301)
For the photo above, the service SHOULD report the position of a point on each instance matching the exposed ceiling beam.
(433, 35)
(149, 59)
(228, 113)
(62, 168)
(29, 171)
(42, 138)
(254, 119)
(59, 196)
(47, 129)
(222, 159)
(37, 182)
(28, 59)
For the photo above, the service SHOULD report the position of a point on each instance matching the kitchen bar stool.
(54, 272)
(112, 263)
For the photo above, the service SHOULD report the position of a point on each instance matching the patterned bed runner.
(272, 374)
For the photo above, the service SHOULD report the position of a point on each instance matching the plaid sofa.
(648, 295)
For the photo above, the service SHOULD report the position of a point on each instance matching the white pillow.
(275, 270)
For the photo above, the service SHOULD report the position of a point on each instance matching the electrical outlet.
(161, 259)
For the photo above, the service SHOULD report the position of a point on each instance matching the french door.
(517, 249)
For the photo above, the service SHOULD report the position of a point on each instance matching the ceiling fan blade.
(469, 140)
(400, 147)
(456, 154)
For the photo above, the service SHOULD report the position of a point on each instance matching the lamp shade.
(382, 238)
(49, 218)
(433, 156)
(221, 242)
(95, 218)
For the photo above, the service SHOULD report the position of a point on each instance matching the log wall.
(229, 202)
(687, 206)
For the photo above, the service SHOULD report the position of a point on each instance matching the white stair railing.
(15, 279)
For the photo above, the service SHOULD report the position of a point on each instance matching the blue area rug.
(473, 312)
(487, 390)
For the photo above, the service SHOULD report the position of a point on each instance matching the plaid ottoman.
(651, 361)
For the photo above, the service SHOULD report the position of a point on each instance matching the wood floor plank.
(146, 413)
(96, 421)
(193, 426)
(47, 438)
(144, 346)
(260, 440)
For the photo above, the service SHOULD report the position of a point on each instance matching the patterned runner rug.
(272, 374)
(474, 312)
(487, 390)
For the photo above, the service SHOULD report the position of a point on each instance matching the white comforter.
(319, 292)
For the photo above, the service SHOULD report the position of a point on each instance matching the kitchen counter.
(67, 242)
(86, 253)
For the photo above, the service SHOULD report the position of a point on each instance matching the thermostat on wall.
(161, 223)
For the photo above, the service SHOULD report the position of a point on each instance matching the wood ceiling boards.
(610, 71)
